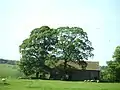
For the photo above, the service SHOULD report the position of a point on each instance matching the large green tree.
(111, 72)
(114, 65)
(64, 43)
(73, 45)
(36, 49)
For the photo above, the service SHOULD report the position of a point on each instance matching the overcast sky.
(99, 18)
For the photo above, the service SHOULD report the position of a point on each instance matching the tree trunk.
(65, 65)
(37, 75)
(43, 76)
(65, 70)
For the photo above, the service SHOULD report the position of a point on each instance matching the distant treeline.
(12, 62)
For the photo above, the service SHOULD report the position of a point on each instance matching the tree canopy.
(44, 43)
(112, 70)
(35, 50)
(114, 66)
(73, 45)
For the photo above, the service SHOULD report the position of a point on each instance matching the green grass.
(56, 85)
(11, 71)
(15, 84)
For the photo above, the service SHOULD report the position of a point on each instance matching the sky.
(99, 18)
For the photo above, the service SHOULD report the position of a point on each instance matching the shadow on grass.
(50, 88)
(4, 84)
(103, 81)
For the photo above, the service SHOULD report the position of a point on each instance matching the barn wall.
(78, 75)
(85, 75)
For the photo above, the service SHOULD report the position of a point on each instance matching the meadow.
(9, 71)
(14, 84)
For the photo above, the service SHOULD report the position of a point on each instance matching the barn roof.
(91, 65)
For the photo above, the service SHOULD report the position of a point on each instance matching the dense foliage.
(73, 45)
(36, 49)
(112, 71)
(47, 45)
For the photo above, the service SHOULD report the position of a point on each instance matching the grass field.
(56, 85)
(11, 71)
(15, 84)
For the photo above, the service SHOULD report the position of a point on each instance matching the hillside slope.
(9, 71)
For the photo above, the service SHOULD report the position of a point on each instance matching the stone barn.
(88, 71)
